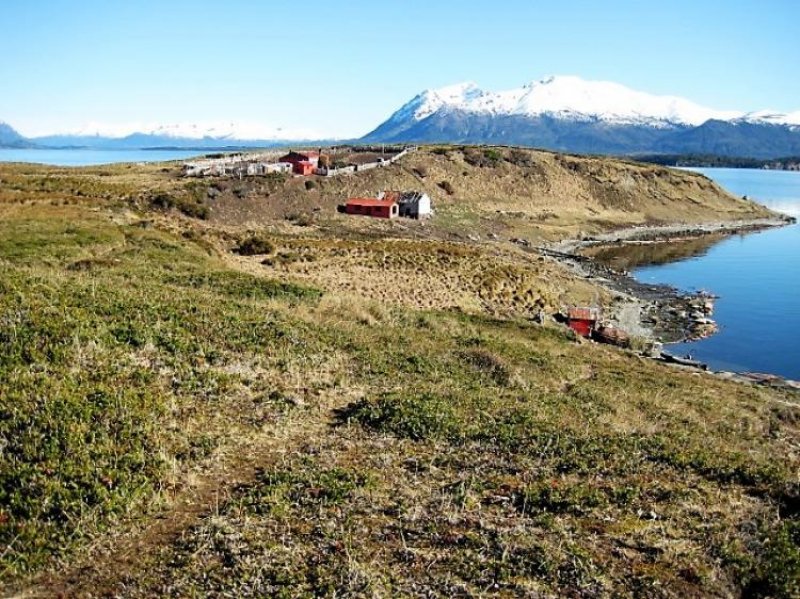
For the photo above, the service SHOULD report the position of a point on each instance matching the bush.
(486, 158)
(489, 363)
(493, 155)
(418, 417)
(196, 209)
(310, 184)
(778, 574)
(162, 200)
(254, 246)
(301, 219)
(520, 158)
(447, 187)
(193, 207)
(551, 496)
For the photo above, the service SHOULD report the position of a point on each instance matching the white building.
(414, 204)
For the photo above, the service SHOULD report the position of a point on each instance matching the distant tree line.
(709, 160)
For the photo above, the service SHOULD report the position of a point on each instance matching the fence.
(248, 164)
(332, 172)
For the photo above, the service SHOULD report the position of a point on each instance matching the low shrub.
(447, 187)
(520, 158)
(419, 417)
(191, 206)
(255, 245)
(487, 158)
(554, 497)
(489, 363)
(301, 219)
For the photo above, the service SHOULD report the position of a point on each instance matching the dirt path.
(101, 569)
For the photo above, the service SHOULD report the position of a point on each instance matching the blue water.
(757, 277)
(80, 157)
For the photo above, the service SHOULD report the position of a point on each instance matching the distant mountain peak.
(222, 130)
(568, 96)
(565, 112)
(9, 137)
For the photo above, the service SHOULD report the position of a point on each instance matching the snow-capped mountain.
(569, 113)
(177, 135)
(557, 113)
(203, 130)
(568, 97)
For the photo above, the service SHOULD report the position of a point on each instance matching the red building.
(582, 320)
(303, 168)
(372, 207)
(303, 163)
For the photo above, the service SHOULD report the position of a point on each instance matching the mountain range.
(558, 113)
(574, 115)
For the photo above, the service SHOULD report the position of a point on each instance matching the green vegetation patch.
(254, 245)
(243, 286)
(417, 417)
(112, 372)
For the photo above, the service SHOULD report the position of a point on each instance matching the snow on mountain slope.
(215, 130)
(772, 117)
(576, 99)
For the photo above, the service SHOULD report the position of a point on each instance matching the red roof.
(582, 314)
(369, 202)
(295, 154)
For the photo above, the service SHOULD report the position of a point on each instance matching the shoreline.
(668, 233)
(656, 312)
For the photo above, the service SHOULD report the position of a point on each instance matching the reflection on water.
(629, 256)
(756, 276)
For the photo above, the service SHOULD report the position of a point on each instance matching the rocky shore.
(651, 312)
(658, 313)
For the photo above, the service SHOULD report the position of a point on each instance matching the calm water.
(92, 157)
(757, 277)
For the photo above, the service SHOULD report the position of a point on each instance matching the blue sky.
(340, 68)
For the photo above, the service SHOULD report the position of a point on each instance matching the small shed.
(414, 204)
(378, 208)
(582, 320)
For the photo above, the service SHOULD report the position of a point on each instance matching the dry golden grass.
(425, 274)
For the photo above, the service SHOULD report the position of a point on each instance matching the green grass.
(97, 362)
(431, 452)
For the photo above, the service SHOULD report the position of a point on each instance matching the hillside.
(512, 192)
(254, 395)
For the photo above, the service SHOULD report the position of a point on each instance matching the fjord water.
(88, 157)
(756, 275)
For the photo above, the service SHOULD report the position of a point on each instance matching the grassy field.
(355, 414)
